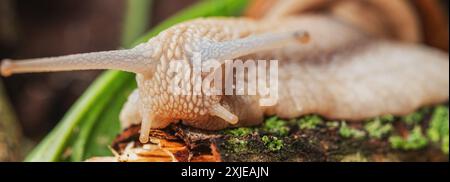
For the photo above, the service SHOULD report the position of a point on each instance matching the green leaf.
(136, 20)
(93, 120)
(51, 148)
(106, 113)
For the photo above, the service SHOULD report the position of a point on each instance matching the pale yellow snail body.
(341, 73)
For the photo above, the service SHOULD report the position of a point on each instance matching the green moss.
(239, 132)
(272, 143)
(378, 128)
(276, 126)
(413, 118)
(332, 124)
(415, 140)
(388, 118)
(416, 117)
(438, 124)
(439, 127)
(309, 122)
(348, 132)
(237, 145)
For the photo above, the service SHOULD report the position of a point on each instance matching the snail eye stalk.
(236, 48)
(129, 60)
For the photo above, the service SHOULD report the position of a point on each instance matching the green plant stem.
(53, 145)
(89, 122)
(136, 20)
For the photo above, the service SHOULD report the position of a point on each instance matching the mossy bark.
(326, 146)
(321, 144)
(306, 139)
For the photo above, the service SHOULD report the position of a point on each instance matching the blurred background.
(30, 29)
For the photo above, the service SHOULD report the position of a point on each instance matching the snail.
(326, 66)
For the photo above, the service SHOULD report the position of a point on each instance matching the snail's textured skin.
(342, 73)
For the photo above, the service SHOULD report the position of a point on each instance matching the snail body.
(340, 73)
